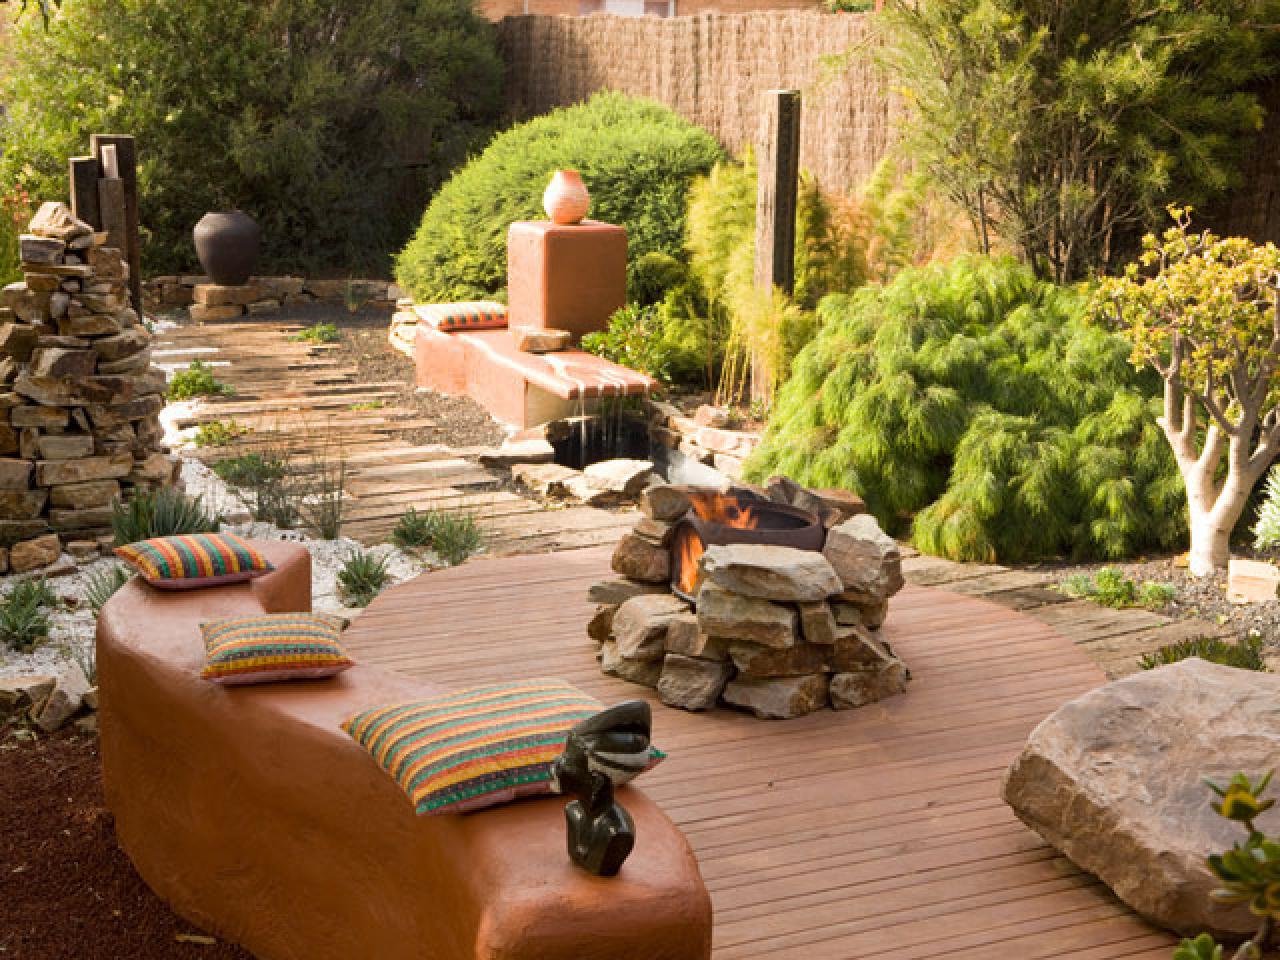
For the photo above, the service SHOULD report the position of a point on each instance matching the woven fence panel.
(712, 69)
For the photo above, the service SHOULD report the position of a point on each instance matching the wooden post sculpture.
(603, 752)
(104, 194)
(778, 176)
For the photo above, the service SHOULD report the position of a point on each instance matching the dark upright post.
(84, 190)
(127, 165)
(778, 169)
(778, 160)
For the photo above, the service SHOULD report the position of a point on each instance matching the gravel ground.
(70, 640)
(1196, 598)
(457, 421)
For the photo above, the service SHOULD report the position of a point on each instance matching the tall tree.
(329, 120)
(1066, 126)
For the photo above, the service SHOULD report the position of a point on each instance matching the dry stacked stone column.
(79, 398)
(776, 630)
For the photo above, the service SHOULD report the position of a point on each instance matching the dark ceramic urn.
(227, 245)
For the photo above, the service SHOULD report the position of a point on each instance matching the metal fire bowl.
(779, 524)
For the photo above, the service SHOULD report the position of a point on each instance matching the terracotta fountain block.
(570, 277)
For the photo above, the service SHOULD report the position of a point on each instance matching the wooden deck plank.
(873, 833)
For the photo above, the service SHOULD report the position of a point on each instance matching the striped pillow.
(476, 748)
(195, 560)
(470, 315)
(276, 646)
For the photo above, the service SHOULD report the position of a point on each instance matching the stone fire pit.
(775, 629)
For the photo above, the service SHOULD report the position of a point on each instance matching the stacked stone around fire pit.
(79, 399)
(777, 630)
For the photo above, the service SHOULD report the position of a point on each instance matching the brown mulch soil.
(67, 892)
(457, 421)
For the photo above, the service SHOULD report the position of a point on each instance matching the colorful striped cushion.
(276, 646)
(470, 315)
(195, 560)
(475, 748)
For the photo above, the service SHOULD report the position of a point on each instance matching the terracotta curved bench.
(256, 817)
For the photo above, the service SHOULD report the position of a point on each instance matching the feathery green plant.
(970, 404)
(1246, 655)
(165, 512)
(362, 577)
(1266, 532)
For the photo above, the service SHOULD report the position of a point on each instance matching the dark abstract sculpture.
(603, 752)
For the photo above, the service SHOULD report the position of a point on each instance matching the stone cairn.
(779, 631)
(79, 399)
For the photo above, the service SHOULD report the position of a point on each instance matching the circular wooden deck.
(874, 833)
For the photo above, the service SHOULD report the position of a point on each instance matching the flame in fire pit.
(725, 509)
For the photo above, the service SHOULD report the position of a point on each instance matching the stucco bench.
(257, 818)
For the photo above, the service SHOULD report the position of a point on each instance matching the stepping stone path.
(299, 396)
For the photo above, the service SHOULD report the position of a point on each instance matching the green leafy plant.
(633, 339)
(368, 405)
(1246, 655)
(1248, 873)
(219, 433)
(971, 405)
(1066, 126)
(197, 381)
(265, 481)
(362, 577)
(164, 512)
(277, 107)
(1111, 588)
(101, 585)
(23, 621)
(453, 535)
(1201, 311)
(318, 333)
(636, 157)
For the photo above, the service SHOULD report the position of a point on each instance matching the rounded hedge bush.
(971, 405)
(636, 157)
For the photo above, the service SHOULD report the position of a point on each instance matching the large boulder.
(1115, 781)
(866, 558)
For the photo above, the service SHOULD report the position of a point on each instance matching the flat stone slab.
(1115, 781)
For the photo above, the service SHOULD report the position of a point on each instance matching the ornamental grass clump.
(166, 512)
(453, 535)
(1245, 655)
(974, 408)
(24, 622)
(362, 577)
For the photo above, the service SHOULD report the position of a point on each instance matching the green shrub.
(362, 577)
(636, 157)
(330, 121)
(1111, 588)
(219, 433)
(649, 277)
(1247, 654)
(101, 585)
(165, 512)
(23, 622)
(453, 535)
(973, 399)
(197, 381)
(317, 333)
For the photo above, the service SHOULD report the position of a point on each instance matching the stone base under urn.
(776, 630)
